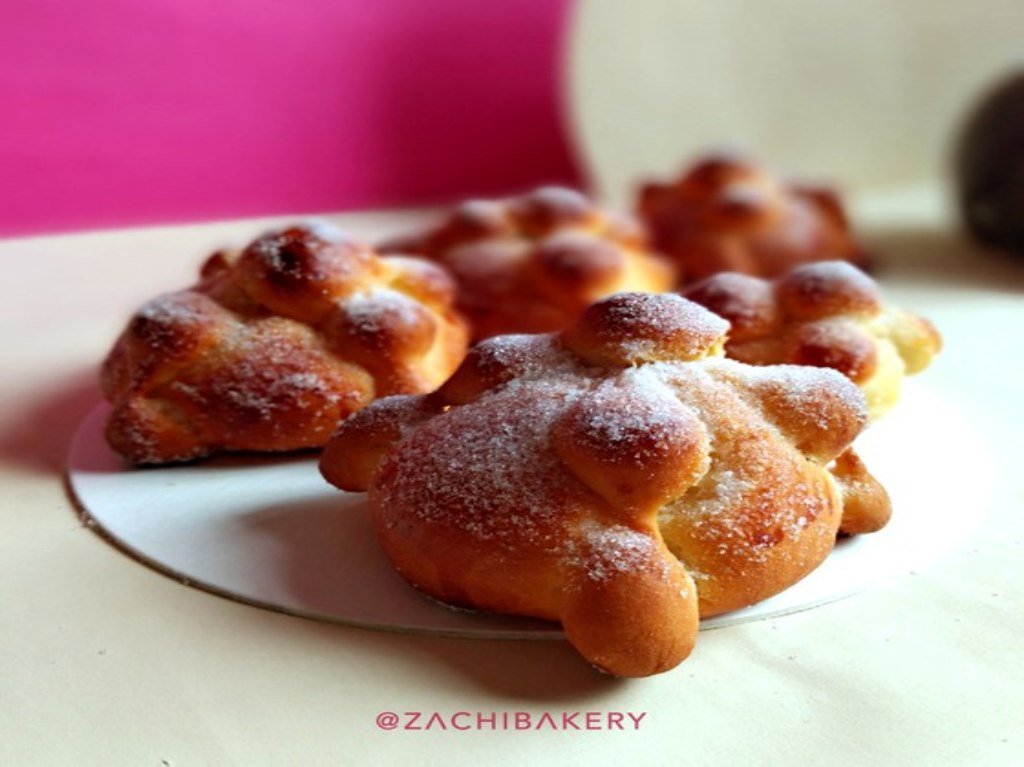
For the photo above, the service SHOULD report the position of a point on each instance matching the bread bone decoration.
(726, 214)
(828, 314)
(621, 477)
(533, 263)
(275, 345)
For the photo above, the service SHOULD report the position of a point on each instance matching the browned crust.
(726, 214)
(533, 263)
(621, 477)
(827, 314)
(275, 345)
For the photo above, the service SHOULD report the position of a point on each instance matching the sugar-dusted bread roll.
(727, 215)
(827, 314)
(621, 477)
(533, 263)
(275, 345)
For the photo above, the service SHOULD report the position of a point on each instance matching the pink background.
(119, 112)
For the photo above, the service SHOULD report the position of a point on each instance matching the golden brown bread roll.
(533, 263)
(275, 345)
(621, 477)
(826, 314)
(727, 215)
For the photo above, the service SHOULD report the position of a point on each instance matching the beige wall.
(866, 94)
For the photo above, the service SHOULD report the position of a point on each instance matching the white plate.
(271, 532)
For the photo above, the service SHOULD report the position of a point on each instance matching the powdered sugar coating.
(633, 328)
(486, 468)
(634, 417)
(529, 357)
(169, 323)
(828, 288)
(647, 416)
(266, 392)
(604, 552)
(370, 311)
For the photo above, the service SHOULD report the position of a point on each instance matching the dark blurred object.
(989, 167)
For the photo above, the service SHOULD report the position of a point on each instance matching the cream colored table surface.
(106, 662)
